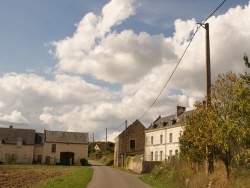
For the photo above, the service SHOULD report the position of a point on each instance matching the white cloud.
(14, 118)
(141, 63)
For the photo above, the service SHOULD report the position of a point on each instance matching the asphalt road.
(108, 177)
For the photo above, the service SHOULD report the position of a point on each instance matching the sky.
(85, 66)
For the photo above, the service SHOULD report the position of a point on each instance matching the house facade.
(162, 136)
(130, 142)
(24, 146)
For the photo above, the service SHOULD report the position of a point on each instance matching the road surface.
(108, 177)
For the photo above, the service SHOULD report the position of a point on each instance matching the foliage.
(84, 162)
(224, 126)
(10, 159)
(179, 175)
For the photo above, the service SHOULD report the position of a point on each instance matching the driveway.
(108, 177)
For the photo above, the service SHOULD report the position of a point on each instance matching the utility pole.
(93, 137)
(125, 148)
(106, 141)
(208, 69)
(209, 149)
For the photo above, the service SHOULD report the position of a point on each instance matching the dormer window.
(165, 123)
(174, 121)
(19, 142)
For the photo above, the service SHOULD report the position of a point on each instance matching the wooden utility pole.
(209, 149)
(125, 148)
(208, 69)
(106, 141)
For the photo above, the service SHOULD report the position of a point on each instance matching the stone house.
(25, 146)
(17, 145)
(162, 136)
(130, 142)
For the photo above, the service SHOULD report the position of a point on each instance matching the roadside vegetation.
(215, 143)
(180, 174)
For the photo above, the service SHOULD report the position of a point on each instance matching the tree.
(224, 126)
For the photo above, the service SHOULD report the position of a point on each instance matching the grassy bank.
(178, 175)
(41, 176)
(77, 177)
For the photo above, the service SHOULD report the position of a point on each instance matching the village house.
(25, 146)
(162, 136)
(130, 142)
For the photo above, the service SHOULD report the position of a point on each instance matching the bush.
(84, 162)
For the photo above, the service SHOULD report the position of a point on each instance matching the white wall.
(162, 151)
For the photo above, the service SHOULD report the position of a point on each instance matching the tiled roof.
(65, 137)
(10, 135)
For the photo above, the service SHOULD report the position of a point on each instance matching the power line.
(180, 60)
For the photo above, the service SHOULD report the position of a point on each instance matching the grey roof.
(166, 121)
(10, 135)
(65, 137)
(162, 122)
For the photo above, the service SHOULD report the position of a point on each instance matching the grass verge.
(77, 177)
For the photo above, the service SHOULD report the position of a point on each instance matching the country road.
(108, 177)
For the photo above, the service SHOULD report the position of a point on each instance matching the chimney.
(180, 110)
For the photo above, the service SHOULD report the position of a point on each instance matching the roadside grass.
(181, 175)
(45, 176)
(77, 177)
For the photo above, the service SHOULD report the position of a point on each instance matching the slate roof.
(162, 122)
(65, 137)
(10, 135)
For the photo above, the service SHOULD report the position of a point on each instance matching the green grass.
(77, 177)
(148, 179)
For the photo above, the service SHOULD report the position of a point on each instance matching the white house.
(162, 137)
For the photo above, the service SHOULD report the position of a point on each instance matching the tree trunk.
(209, 160)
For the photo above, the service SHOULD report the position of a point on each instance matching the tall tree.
(225, 125)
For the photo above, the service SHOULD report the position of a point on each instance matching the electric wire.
(171, 75)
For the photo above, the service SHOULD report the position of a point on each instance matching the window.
(161, 153)
(170, 138)
(132, 144)
(161, 138)
(53, 148)
(25, 156)
(19, 142)
(152, 140)
(156, 156)
(152, 155)
(176, 152)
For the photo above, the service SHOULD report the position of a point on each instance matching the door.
(67, 158)
(39, 159)
(47, 160)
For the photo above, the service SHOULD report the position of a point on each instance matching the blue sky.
(29, 27)
(81, 65)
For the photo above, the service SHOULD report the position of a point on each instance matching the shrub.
(84, 162)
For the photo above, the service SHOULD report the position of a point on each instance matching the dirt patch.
(11, 177)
